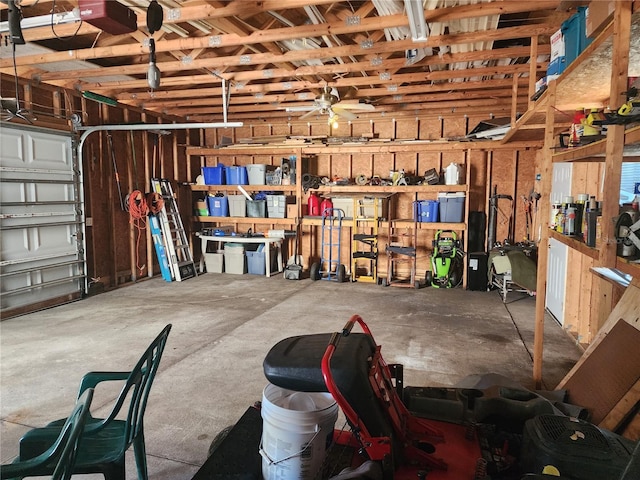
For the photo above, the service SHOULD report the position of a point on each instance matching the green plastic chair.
(105, 440)
(59, 457)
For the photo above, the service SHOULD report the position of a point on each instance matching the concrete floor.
(223, 326)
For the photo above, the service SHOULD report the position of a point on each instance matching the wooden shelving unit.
(596, 79)
(575, 243)
(352, 189)
(248, 188)
(326, 158)
(246, 220)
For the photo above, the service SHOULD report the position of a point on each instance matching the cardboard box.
(557, 45)
(556, 67)
(599, 14)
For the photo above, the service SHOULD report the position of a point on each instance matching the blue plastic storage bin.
(256, 263)
(575, 35)
(426, 211)
(218, 206)
(236, 175)
(213, 175)
(451, 207)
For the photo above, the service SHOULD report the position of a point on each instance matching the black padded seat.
(295, 364)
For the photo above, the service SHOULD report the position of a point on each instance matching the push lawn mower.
(492, 429)
(446, 260)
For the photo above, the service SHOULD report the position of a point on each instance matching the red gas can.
(313, 205)
(325, 205)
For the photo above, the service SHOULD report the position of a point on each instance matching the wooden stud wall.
(112, 241)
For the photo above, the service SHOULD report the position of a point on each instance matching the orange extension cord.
(138, 211)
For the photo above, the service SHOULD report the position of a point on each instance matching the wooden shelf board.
(625, 266)
(391, 147)
(594, 152)
(575, 244)
(246, 220)
(244, 150)
(348, 222)
(433, 225)
(346, 189)
(585, 83)
(248, 188)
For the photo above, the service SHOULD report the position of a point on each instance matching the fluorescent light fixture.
(45, 20)
(417, 23)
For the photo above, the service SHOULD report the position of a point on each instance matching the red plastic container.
(326, 204)
(313, 205)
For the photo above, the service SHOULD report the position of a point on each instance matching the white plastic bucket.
(297, 427)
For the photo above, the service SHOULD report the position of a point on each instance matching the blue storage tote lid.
(452, 195)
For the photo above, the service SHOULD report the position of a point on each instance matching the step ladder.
(174, 238)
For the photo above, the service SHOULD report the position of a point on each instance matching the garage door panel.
(47, 153)
(19, 245)
(42, 217)
(12, 148)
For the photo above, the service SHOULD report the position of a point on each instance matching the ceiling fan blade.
(300, 108)
(309, 114)
(363, 107)
(344, 114)
(25, 115)
(9, 104)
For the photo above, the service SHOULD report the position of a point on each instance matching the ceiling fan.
(328, 103)
(10, 109)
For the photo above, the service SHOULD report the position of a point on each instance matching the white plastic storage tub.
(451, 207)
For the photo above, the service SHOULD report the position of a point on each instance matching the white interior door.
(41, 220)
(558, 252)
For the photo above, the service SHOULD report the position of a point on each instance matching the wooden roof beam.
(268, 58)
(366, 24)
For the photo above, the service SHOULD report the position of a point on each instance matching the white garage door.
(41, 253)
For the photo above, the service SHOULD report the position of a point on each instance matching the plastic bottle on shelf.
(592, 220)
(599, 225)
(570, 220)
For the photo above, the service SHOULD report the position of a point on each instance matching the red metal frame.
(410, 431)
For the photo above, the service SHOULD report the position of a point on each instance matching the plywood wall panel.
(265, 130)
(402, 206)
(502, 182)
(524, 177)
(362, 164)
(343, 129)
(579, 285)
(586, 178)
(301, 129)
(359, 128)
(384, 127)
(431, 129)
(429, 160)
(407, 128)
(246, 131)
(406, 161)
(455, 127)
(477, 180)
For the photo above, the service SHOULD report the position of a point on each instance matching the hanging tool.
(115, 170)
(527, 215)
